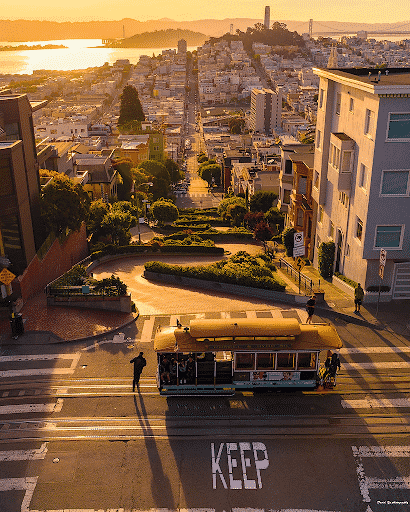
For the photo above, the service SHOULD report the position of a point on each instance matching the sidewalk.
(54, 324)
(393, 316)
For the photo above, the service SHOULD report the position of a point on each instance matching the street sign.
(298, 239)
(383, 257)
(6, 276)
(300, 263)
(298, 251)
(381, 271)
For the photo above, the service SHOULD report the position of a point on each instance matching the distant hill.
(162, 38)
(34, 30)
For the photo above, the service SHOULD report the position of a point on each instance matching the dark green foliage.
(130, 108)
(241, 269)
(287, 240)
(326, 256)
(275, 218)
(262, 201)
(251, 219)
(64, 204)
(164, 210)
(73, 277)
(210, 173)
(173, 170)
(111, 286)
(98, 210)
(350, 282)
(124, 166)
(202, 158)
(117, 224)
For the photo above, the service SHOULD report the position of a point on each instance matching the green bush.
(288, 240)
(73, 277)
(326, 256)
(240, 269)
(350, 282)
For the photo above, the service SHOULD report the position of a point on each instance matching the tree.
(227, 202)
(117, 224)
(252, 219)
(124, 168)
(262, 201)
(130, 108)
(126, 206)
(275, 218)
(236, 125)
(173, 170)
(288, 240)
(98, 210)
(164, 210)
(262, 232)
(211, 173)
(64, 204)
(236, 212)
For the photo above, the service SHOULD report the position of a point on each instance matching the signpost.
(298, 250)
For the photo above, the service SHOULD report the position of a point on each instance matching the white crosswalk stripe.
(15, 360)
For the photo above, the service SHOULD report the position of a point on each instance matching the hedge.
(350, 282)
(203, 249)
(213, 273)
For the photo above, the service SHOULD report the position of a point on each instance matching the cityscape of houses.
(326, 127)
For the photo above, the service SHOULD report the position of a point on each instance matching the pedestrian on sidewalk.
(139, 363)
(310, 308)
(358, 297)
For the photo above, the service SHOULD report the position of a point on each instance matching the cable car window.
(245, 361)
(265, 361)
(285, 360)
(307, 360)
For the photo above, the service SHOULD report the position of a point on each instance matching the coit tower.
(267, 17)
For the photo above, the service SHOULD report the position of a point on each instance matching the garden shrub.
(350, 282)
(326, 256)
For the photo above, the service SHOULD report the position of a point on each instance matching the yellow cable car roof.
(271, 335)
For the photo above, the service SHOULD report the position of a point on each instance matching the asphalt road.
(73, 436)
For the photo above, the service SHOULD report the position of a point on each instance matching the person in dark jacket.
(139, 363)
(310, 308)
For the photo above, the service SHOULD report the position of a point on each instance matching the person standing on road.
(139, 363)
(310, 308)
(358, 297)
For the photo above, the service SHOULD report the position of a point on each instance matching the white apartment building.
(361, 177)
(266, 110)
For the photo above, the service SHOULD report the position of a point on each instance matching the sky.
(369, 11)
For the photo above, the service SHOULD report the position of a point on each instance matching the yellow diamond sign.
(6, 277)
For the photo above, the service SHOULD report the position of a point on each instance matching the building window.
(334, 156)
(316, 180)
(321, 97)
(286, 196)
(369, 123)
(338, 103)
(363, 176)
(395, 183)
(302, 189)
(344, 199)
(359, 229)
(12, 131)
(320, 215)
(351, 105)
(399, 127)
(347, 161)
(288, 167)
(331, 229)
(389, 237)
(318, 138)
(299, 217)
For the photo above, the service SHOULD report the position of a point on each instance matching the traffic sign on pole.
(381, 271)
(298, 239)
(383, 257)
(298, 251)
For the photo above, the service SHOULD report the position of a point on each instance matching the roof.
(238, 334)
(389, 81)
